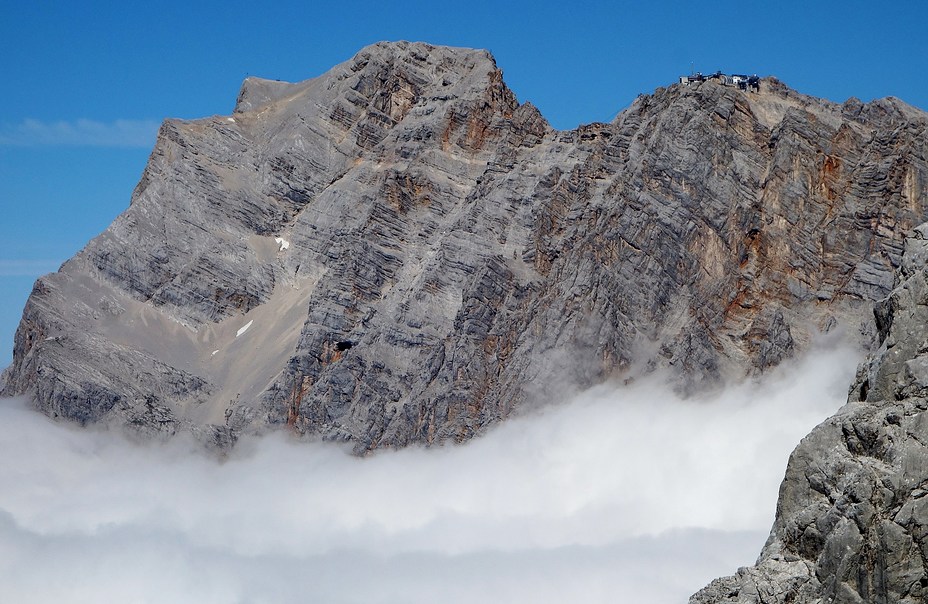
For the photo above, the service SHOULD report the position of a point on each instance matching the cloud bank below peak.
(622, 494)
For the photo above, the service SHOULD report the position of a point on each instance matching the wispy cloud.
(79, 133)
(621, 495)
(28, 267)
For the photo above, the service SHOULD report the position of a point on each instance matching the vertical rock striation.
(416, 254)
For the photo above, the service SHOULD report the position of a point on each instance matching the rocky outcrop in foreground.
(398, 251)
(852, 518)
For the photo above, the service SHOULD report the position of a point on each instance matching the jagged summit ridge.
(475, 257)
(450, 70)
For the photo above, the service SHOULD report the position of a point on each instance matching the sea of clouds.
(623, 494)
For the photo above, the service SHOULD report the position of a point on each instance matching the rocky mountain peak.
(391, 77)
(398, 251)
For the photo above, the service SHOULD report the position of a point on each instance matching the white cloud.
(82, 132)
(31, 267)
(619, 495)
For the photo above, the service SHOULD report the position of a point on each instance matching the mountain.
(398, 251)
(852, 516)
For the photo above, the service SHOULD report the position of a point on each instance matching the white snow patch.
(215, 351)
(243, 329)
(283, 243)
(230, 119)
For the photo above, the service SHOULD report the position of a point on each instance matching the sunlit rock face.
(852, 517)
(399, 251)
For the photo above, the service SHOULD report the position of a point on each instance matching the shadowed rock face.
(852, 517)
(475, 258)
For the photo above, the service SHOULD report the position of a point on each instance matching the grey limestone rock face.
(399, 251)
(852, 516)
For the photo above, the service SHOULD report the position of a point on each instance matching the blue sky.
(86, 84)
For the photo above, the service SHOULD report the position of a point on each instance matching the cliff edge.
(399, 251)
(852, 515)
